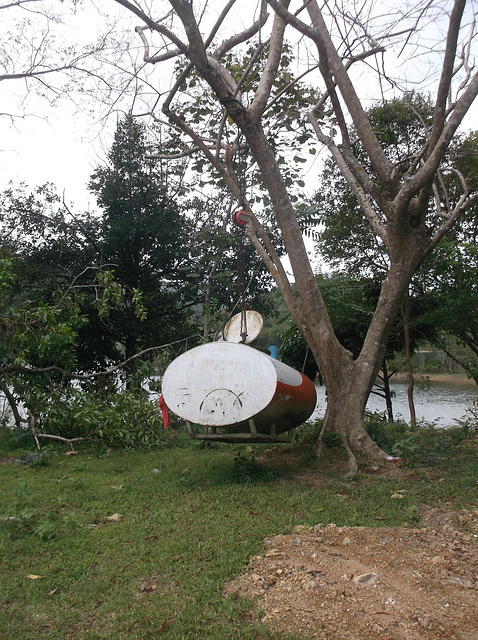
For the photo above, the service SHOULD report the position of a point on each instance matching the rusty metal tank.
(236, 389)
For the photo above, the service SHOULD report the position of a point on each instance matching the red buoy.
(242, 217)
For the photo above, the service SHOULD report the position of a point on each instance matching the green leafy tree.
(55, 293)
(38, 343)
(39, 367)
(452, 294)
(442, 292)
(180, 254)
(57, 250)
(143, 235)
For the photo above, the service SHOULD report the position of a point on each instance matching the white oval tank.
(226, 385)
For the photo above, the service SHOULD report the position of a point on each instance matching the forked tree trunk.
(350, 381)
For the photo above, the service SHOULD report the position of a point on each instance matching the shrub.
(385, 434)
(425, 444)
(125, 419)
(332, 439)
(248, 469)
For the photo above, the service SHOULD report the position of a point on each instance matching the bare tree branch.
(413, 184)
(241, 37)
(269, 73)
(18, 3)
(88, 376)
(447, 71)
(154, 25)
(465, 202)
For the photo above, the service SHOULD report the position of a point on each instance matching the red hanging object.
(242, 217)
(164, 411)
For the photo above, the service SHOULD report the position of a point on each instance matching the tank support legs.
(252, 426)
(191, 429)
(252, 436)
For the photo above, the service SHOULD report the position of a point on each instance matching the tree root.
(352, 462)
(366, 449)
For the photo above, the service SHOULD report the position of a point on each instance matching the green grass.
(190, 520)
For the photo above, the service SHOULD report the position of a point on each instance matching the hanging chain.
(241, 280)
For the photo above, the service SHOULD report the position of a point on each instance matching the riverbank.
(452, 379)
(441, 399)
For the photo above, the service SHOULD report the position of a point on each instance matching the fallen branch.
(61, 439)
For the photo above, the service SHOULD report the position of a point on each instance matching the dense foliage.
(443, 295)
(82, 293)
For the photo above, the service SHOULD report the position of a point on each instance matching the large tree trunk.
(346, 400)
(348, 382)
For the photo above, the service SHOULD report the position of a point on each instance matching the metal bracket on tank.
(194, 434)
(243, 436)
(253, 428)
(191, 429)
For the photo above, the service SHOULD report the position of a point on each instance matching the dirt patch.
(358, 583)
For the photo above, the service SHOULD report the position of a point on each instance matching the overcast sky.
(58, 152)
(62, 144)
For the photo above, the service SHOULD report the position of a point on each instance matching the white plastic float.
(239, 390)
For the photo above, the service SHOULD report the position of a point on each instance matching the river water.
(439, 402)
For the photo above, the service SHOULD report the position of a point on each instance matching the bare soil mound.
(358, 583)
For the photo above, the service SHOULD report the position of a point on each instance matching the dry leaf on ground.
(114, 518)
